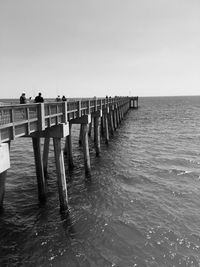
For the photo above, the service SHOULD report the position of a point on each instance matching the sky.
(86, 48)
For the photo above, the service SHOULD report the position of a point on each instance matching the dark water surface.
(140, 208)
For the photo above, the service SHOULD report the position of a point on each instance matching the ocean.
(141, 206)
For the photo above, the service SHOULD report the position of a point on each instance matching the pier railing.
(20, 120)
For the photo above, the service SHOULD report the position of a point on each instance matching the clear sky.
(84, 48)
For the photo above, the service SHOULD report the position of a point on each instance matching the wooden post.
(90, 127)
(120, 115)
(114, 118)
(88, 107)
(127, 107)
(137, 102)
(80, 135)
(68, 148)
(117, 115)
(102, 122)
(86, 150)
(41, 114)
(123, 111)
(133, 102)
(102, 125)
(110, 120)
(13, 122)
(61, 179)
(79, 108)
(97, 121)
(106, 128)
(39, 168)
(4, 165)
(65, 118)
(46, 155)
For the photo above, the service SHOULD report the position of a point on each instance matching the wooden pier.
(54, 120)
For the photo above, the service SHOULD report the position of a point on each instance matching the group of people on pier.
(38, 98)
(58, 98)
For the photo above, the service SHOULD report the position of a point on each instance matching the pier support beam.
(106, 129)
(120, 114)
(97, 123)
(68, 148)
(117, 114)
(90, 127)
(46, 156)
(86, 150)
(106, 124)
(84, 121)
(56, 132)
(39, 168)
(116, 118)
(61, 178)
(4, 166)
(110, 121)
(113, 117)
(103, 125)
(80, 135)
(134, 102)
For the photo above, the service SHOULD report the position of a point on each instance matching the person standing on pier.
(22, 99)
(58, 99)
(39, 98)
(64, 98)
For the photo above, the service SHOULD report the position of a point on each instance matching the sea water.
(141, 206)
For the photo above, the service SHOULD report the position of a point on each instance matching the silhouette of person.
(39, 98)
(58, 98)
(64, 98)
(22, 99)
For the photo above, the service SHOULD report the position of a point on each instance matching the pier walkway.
(54, 120)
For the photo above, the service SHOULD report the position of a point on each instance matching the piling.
(68, 148)
(114, 117)
(80, 135)
(86, 150)
(4, 166)
(102, 125)
(90, 126)
(118, 116)
(61, 179)
(97, 121)
(134, 102)
(46, 156)
(39, 168)
(106, 128)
